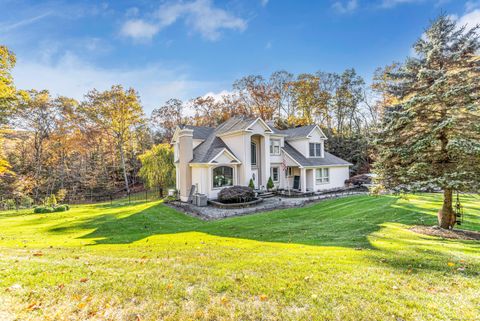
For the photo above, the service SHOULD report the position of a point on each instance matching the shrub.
(251, 184)
(50, 201)
(170, 198)
(8, 204)
(60, 208)
(26, 201)
(49, 209)
(270, 184)
(236, 194)
(61, 194)
(359, 180)
(43, 209)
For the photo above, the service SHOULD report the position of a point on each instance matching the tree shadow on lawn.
(343, 222)
(361, 222)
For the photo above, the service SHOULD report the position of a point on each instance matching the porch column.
(303, 179)
(314, 180)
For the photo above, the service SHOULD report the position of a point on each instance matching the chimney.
(185, 155)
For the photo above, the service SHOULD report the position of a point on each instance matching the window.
(322, 175)
(274, 147)
(275, 175)
(253, 153)
(315, 150)
(222, 176)
(289, 171)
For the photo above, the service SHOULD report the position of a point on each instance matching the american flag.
(284, 165)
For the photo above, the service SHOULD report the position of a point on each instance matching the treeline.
(86, 148)
(97, 146)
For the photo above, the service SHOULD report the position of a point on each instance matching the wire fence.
(135, 195)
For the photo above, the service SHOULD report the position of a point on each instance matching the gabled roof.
(327, 160)
(209, 149)
(236, 124)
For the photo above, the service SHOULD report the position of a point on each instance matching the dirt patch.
(447, 234)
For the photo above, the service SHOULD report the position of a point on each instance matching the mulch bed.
(447, 234)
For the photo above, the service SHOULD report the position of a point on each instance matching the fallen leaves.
(83, 280)
(39, 253)
(14, 287)
(263, 297)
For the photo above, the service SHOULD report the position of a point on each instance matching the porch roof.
(328, 160)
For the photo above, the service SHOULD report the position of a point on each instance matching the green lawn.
(347, 259)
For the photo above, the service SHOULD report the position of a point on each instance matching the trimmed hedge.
(236, 194)
(48, 209)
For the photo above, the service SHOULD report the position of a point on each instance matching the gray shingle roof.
(328, 160)
(296, 132)
(234, 124)
(199, 132)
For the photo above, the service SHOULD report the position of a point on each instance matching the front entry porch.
(298, 180)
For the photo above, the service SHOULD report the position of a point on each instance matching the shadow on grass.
(344, 222)
(375, 223)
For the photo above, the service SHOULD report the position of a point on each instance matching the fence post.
(128, 197)
(146, 196)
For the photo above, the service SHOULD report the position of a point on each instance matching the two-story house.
(241, 149)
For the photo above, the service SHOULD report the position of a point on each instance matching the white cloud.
(393, 3)
(470, 19)
(345, 7)
(199, 15)
(139, 29)
(73, 77)
(263, 3)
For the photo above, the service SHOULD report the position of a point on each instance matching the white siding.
(338, 175)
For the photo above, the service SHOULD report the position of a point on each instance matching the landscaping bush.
(270, 184)
(251, 184)
(169, 198)
(49, 209)
(60, 208)
(359, 180)
(43, 209)
(236, 194)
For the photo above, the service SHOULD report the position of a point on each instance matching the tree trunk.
(122, 158)
(446, 216)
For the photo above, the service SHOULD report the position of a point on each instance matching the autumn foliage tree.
(430, 135)
(116, 112)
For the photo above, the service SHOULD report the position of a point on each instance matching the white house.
(241, 149)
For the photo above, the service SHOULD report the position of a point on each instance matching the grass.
(347, 259)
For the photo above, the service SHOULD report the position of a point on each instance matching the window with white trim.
(315, 149)
(222, 176)
(322, 175)
(274, 147)
(275, 174)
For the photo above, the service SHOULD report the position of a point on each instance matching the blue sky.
(189, 48)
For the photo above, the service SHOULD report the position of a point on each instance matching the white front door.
(255, 177)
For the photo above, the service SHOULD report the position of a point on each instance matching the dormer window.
(315, 150)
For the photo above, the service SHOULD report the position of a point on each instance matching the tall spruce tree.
(430, 135)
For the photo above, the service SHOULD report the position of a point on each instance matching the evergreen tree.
(430, 136)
